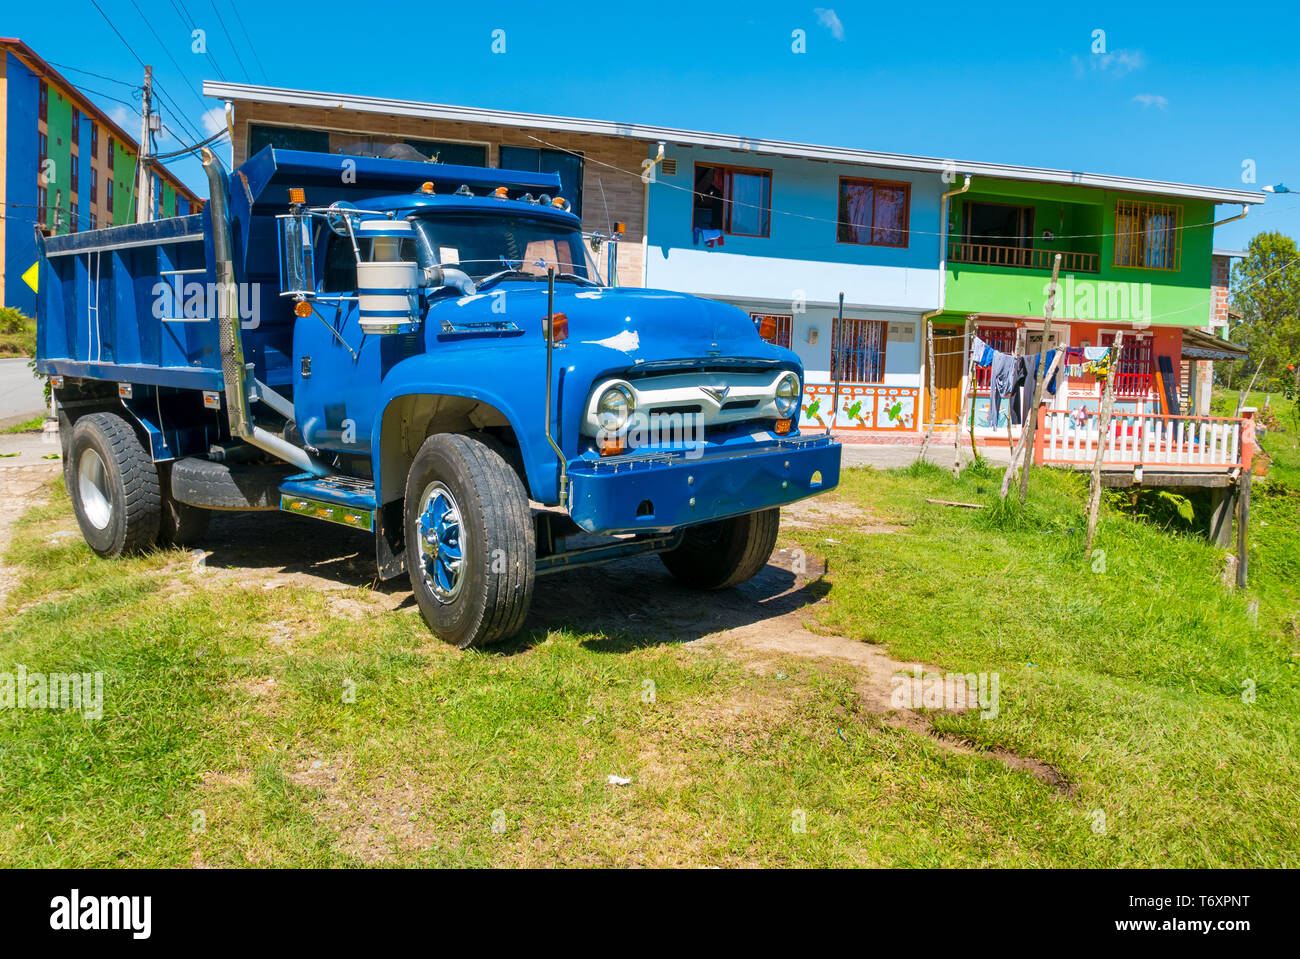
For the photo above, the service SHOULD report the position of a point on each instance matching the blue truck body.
(130, 320)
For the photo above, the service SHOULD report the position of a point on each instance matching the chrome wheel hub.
(442, 542)
(92, 489)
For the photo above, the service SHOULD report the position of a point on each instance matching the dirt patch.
(24, 487)
(830, 510)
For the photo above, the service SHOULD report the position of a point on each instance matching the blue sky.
(1186, 92)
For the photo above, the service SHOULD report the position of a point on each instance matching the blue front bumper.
(644, 493)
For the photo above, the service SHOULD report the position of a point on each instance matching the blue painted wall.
(20, 183)
(802, 252)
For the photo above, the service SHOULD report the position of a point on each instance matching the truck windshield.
(483, 244)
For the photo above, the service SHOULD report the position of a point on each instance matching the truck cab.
(428, 353)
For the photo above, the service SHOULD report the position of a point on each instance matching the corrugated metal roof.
(669, 135)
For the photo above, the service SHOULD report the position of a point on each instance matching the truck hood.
(633, 326)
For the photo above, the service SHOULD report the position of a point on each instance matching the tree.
(1266, 295)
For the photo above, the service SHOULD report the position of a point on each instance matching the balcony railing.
(1146, 439)
(989, 254)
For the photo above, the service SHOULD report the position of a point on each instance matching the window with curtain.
(873, 212)
(858, 350)
(734, 200)
(1147, 235)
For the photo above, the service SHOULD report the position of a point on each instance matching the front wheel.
(726, 552)
(470, 547)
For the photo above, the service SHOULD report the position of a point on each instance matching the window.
(94, 186)
(286, 138)
(94, 221)
(43, 104)
(340, 265)
(76, 127)
(1000, 225)
(109, 196)
(42, 151)
(858, 350)
(462, 154)
(1002, 339)
(774, 327)
(73, 217)
(1134, 376)
(94, 140)
(42, 214)
(873, 212)
(1147, 235)
(76, 178)
(734, 200)
(111, 151)
(567, 165)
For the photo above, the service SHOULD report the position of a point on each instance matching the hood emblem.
(719, 394)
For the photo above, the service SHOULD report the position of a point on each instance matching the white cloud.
(828, 19)
(1151, 100)
(125, 118)
(1119, 62)
(214, 120)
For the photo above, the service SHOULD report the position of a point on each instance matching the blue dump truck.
(424, 352)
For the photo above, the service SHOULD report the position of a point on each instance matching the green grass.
(1127, 680)
(28, 426)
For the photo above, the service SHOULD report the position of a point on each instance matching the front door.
(948, 366)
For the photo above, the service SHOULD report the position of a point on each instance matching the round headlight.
(787, 394)
(614, 408)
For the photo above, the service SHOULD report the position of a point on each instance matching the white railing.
(1145, 439)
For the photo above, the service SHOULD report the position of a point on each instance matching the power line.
(233, 46)
(189, 23)
(89, 73)
(191, 85)
(252, 46)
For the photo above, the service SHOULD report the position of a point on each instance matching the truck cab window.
(340, 274)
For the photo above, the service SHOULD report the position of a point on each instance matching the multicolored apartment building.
(65, 165)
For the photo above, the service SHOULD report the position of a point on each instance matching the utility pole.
(143, 192)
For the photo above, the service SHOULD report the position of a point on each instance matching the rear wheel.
(724, 553)
(113, 484)
(470, 546)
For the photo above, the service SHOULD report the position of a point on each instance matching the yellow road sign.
(30, 276)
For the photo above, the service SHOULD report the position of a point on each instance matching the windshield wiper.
(502, 274)
(575, 277)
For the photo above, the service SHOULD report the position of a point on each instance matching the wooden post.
(1025, 436)
(934, 400)
(1032, 418)
(967, 381)
(1243, 524)
(1103, 438)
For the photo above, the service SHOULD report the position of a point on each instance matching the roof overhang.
(1199, 345)
(649, 133)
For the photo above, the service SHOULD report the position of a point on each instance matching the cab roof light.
(297, 194)
(501, 193)
(560, 203)
(464, 190)
(302, 308)
(427, 187)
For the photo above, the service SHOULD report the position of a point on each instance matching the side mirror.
(297, 256)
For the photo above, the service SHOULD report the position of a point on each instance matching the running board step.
(336, 499)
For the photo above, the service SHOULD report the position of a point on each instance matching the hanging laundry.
(1099, 361)
(1031, 377)
(981, 352)
(1095, 352)
(710, 237)
(1002, 374)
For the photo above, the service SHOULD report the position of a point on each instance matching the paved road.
(22, 395)
(882, 456)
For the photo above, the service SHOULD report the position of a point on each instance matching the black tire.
(113, 484)
(725, 553)
(208, 484)
(493, 588)
(181, 524)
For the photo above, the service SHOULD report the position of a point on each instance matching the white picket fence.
(1143, 439)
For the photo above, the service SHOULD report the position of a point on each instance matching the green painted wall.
(123, 178)
(58, 192)
(1165, 297)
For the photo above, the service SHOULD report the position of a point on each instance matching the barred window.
(858, 350)
(1147, 235)
(774, 327)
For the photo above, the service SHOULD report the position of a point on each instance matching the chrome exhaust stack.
(233, 366)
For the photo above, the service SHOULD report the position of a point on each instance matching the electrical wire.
(233, 45)
(818, 219)
(256, 56)
(188, 21)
